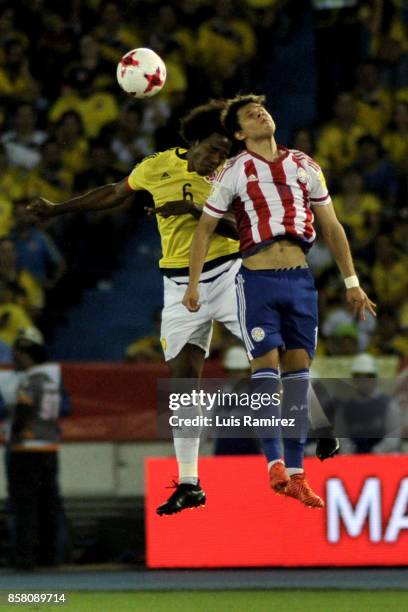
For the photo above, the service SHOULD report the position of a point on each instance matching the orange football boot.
(299, 488)
(279, 477)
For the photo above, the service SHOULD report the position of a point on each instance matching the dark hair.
(371, 140)
(202, 121)
(229, 115)
(71, 113)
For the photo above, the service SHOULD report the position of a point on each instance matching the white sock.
(186, 450)
(293, 471)
(271, 463)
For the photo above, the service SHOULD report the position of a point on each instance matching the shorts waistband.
(216, 273)
(290, 271)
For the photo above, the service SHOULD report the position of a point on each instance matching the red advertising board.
(365, 521)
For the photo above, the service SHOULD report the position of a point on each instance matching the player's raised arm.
(101, 198)
(199, 249)
(226, 227)
(336, 239)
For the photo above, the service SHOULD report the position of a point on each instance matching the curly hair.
(202, 121)
(229, 116)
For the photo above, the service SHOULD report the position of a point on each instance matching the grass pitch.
(236, 601)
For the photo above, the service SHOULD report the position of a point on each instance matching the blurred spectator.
(23, 143)
(357, 209)
(343, 340)
(70, 136)
(337, 143)
(147, 349)
(166, 30)
(224, 44)
(373, 101)
(400, 232)
(369, 420)
(176, 89)
(8, 30)
(50, 179)
(12, 180)
(6, 214)
(13, 317)
(395, 139)
(32, 454)
(32, 297)
(115, 34)
(55, 49)
(390, 337)
(100, 70)
(128, 142)
(303, 140)
(101, 167)
(36, 250)
(377, 171)
(96, 108)
(16, 81)
(389, 276)
(237, 372)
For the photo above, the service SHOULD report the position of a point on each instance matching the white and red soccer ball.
(141, 73)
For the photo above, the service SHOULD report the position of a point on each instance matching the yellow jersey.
(167, 178)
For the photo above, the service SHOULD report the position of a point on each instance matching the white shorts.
(218, 303)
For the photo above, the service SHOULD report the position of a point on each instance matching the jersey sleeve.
(319, 194)
(139, 177)
(222, 194)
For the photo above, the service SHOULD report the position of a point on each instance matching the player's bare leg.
(188, 492)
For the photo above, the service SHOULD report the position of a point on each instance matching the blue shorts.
(277, 308)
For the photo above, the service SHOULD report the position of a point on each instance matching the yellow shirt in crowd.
(97, 110)
(391, 282)
(356, 216)
(337, 148)
(13, 318)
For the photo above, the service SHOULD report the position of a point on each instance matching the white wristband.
(351, 282)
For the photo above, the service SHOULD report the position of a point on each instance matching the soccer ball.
(141, 73)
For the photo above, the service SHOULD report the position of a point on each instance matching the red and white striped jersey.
(269, 199)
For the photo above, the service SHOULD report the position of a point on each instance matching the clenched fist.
(190, 299)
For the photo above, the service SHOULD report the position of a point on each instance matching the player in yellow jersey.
(180, 182)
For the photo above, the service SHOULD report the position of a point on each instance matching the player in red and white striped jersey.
(270, 200)
(273, 193)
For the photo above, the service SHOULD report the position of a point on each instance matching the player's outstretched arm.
(336, 239)
(199, 249)
(101, 198)
(226, 227)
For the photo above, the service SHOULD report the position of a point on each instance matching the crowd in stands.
(65, 127)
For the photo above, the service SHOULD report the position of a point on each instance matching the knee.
(188, 364)
(294, 360)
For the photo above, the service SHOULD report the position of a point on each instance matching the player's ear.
(239, 135)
